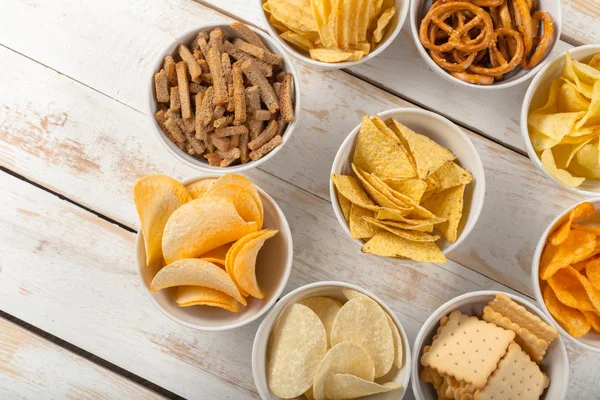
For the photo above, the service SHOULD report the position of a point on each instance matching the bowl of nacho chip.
(566, 273)
(331, 340)
(334, 34)
(408, 184)
(489, 345)
(560, 120)
(214, 252)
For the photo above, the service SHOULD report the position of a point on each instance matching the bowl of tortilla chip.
(408, 184)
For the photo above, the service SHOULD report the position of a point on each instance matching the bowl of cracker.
(489, 345)
(407, 184)
(331, 340)
(224, 97)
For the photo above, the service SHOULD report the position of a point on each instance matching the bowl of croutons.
(224, 97)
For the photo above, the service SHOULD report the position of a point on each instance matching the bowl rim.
(414, 11)
(435, 316)
(402, 14)
(526, 104)
(351, 137)
(287, 267)
(535, 273)
(269, 321)
(197, 163)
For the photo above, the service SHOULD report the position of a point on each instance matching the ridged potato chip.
(297, 40)
(561, 234)
(187, 296)
(578, 246)
(156, 197)
(569, 289)
(347, 386)
(382, 23)
(198, 188)
(244, 265)
(571, 319)
(297, 345)
(295, 14)
(325, 308)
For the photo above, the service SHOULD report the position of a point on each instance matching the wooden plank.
(580, 21)
(33, 367)
(80, 284)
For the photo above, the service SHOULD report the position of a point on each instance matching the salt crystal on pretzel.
(239, 95)
(192, 65)
(269, 146)
(161, 85)
(169, 66)
(264, 88)
(184, 90)
(266, 135)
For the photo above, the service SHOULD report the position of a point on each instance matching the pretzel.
(523, 21)
(544, 41)
(494, 53)
(458, 65)
(473, 78)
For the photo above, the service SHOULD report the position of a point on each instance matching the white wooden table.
(74, 321)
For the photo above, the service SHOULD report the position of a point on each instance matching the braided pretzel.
(473, 78)
(495, 54)
(544, 40)
(438, 14)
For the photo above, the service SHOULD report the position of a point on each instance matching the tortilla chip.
(389, 245)
(448, 204)
(413, 188)
(411, 235)
(349, 187)
(345, 205)
(359, 227)
(451, 174)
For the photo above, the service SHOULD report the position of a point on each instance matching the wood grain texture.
(580, 21)
(32, 367)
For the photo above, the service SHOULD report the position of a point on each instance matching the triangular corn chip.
(359, 227)
(389, 245)
(451, 174)
(411, 235)
(448, 204)
(413, 188)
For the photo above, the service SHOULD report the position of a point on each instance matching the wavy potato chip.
(580, 211)
(569, 289)
(295, 14)
(563, 176)
(321, 10)
(187, 296)
(199, 188)
(195, 272)
(382, 22)
(297, 345)
(389, 245)
(571, 319)
(202, 225)
(156, 197)
(578, 246)
(244, 265)
(362, 321)
(347, 386)
(555, 126)
(325, 308)
(342, 358)
(297, 40)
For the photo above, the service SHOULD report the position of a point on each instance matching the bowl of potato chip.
(566, 273)
(224, 97)
(489, 345)
(334, 35)
(408, 184)
(560, 120)
(214, 253)
(331, 340)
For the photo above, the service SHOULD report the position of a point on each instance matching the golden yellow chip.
(359, 227)
(555, 126)
(243, 201)
(420, 227)
(295, 14)
(568, 287)
(594, 320)
(585, 72)
(245, 184)
(382, 22)
(570, 100)
(561, 234)
(349, 187)
(563, 176)
(413, 188)
(199, 188)
(279, 25)
(378, 193)
(345, 205)
(449, 175)
(389, 214)
(539, 141)
(347, 386)
(244, 268)
(321, 10)
(187, 296)
(571, 319)
(156, 197)
(578, 246)
(297, 40)
(587, 160)
(220, 253)
(334, 55)
(449, 205)
(411, 235)
(232, 254)
(389, 245)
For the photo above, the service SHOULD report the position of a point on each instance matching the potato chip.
(593, 319)
(280, 26)
(593, 112)
(564, 153)
(389, 245)
(321, 10)
(569, 290)
(561, 234)
(297, 345)
(202, 225)
(382, 22)
(334, 55)
(295, 14)
(539, 141)
(552, 100)
(449, 205)
(362, 321)
(411, 235)
(563, 176)
(450, 175)
(571, 319)
(187, 296)
(195, 272)
(244, 267)
(219, 254)
(428, 155)
(198, 188)
(156, 197)
(578, 246)
(243, 201)
(587, 228)
(569, 74)
(555, 126)
(232, 254)
(586, 72)
(569, 99)
(345, 205)
(592, 270)
(380, 155)
(359, 227)
(346, 386)
(595, 61)
(350, 294)
(325, 308)
(398, 345)
(297, 40)
(343, 358)
(245, 184)
(587, 160)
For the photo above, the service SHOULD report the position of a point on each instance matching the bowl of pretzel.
(486, 43)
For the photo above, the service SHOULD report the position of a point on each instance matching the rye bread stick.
(264, 88)
(216, 70)
(200, 128)
(215, 39)
(174, 129)
(169, 66)
(261, 54)
(239, 95)
(243, 145)
(267, 147)
(231, 131)
(266, 135)
(248, 34)
(184, 90)
(262, 115)
(207, 109)
(239, 55)
(213, 159)
(174, 102)
(203, 46)
(161, 86)
(285, 99)
(226, 62)
(193, 66)
(221, 144)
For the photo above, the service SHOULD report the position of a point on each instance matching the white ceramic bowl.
(419, 8)
(391, 31)
(328, 289)
(442, 131)
(273, 268)
(591, 341)
(202, 164)
(536, 96)
(555, 363)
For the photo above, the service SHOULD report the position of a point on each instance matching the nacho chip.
(389, 245)
(359, 227)
(345, 205)
(377, 192)
(346, 386)
(411, 235)
(571, 319)
(187, 296)
(199, 188)
(450, 175)
(582, 210)
(156, 197)
(195, 272)
(391, 214)
(578, 246)
(403, 201)
(202, 225)
(349, 187)
(420, 227)
(449, 205)
(244, 268)
(413, 188)
(385, 214)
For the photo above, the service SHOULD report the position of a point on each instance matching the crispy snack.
(221, 92)
(482, 41)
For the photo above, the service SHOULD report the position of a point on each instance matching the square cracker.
(534, 346)
(520, 316)
(517, 377)
(468, 349)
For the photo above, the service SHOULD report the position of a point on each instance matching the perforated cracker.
(517, 377)
(468, 349)
(520, 316)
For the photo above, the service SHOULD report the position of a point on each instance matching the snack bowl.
(535, 97)
(332, 289)
(152, 104)
(419, 8)
(555, 363)
(276, 252)
(445, 133)
(590, 341)
(391, 31)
